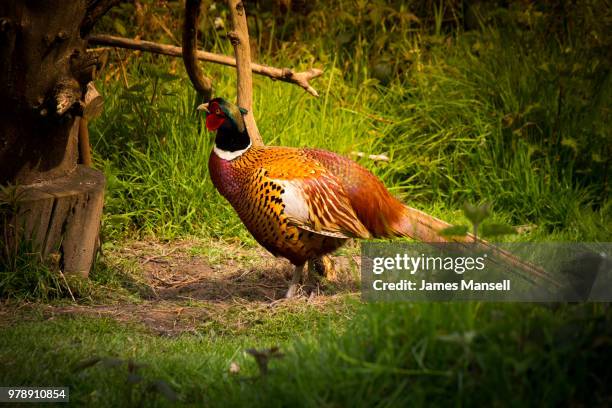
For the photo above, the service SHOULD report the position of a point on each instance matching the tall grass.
(507, 112)
(155, 153)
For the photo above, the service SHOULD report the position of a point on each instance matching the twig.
(201, 83)
(123, 70)
(151, 258)
(374, 157)
(240, 40)
(160, 22)
(281, 74)
(67, 285)
(369, 115)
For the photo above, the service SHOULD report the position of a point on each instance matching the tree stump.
(45, 76)
(62, 216)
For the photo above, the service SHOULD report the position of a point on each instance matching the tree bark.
(44, 72)
(240, 40)
(40, 48)
(62, 218)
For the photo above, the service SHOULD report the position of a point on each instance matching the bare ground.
(183, 286)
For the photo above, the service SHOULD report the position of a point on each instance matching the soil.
(181, 286)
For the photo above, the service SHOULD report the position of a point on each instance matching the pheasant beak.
(203, 108)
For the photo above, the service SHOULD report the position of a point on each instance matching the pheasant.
(303, 203)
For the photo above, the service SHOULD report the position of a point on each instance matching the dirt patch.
(176, 273)
(162, 318)
(188, 285)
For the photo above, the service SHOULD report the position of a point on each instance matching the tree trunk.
(44, 72)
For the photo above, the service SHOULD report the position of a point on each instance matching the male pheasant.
(303, 203)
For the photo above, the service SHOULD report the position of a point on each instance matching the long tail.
(426, 228)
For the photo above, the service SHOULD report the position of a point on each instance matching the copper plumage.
(299, 203)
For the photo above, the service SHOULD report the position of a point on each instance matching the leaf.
(571, 143)
(458, 337)
(495, 229)
(119, 27)
(454, 231)
(137, 87)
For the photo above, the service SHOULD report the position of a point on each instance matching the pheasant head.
(225, 118)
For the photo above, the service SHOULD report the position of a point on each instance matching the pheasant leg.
(295, 281)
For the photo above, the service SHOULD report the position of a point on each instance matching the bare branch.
(280, 74)
(201, 83)
(240, 40)
(95, 10)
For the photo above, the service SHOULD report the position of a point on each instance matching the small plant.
(477, 216)
(263, 357)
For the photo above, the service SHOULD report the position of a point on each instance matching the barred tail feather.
(423, 227)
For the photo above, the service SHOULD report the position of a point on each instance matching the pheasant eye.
(217, 111)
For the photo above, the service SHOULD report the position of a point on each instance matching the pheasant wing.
(314, 198)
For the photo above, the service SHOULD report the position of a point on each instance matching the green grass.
(514, 111)
(513, 116)
(388, 355)
(156, 155)
(444, 150)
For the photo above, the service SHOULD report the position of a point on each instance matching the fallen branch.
(281, 74)
(240, 40)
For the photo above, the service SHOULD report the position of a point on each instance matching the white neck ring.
(229, 156)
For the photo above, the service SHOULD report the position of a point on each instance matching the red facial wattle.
(213, 122)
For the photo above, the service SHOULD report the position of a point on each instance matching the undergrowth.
(507, 106)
